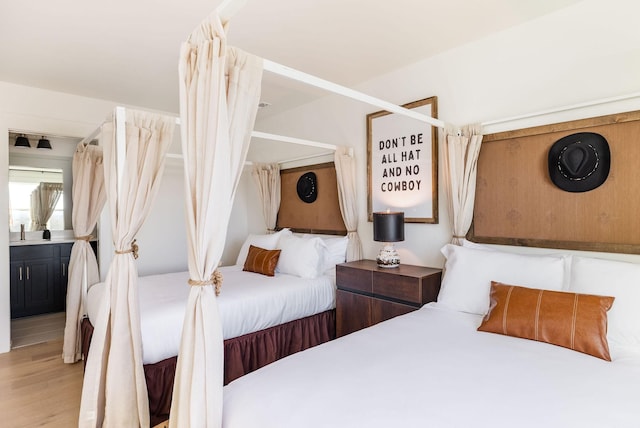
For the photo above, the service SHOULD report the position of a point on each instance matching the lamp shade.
(388, 226)
(22, 141)
(44, 143)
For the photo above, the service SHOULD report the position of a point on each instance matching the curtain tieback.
(352, 231)
(83, 238)
(134, 249)
(460, 236)
(216, 279)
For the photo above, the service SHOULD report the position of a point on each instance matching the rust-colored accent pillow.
(261, 261)
(572, 320)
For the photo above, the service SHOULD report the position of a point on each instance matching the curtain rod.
(228, 8)
(91, 136)
(301, 158)
(303, 77)
(254, 134)
(563, 108)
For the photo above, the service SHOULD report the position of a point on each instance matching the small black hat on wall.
(307, 187)
(579, 162)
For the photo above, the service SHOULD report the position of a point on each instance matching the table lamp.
(388, 227)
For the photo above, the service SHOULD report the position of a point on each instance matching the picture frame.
(402, 163)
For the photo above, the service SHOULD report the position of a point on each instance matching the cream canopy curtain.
(267, 178)
(460, 169)
(219, 94)
(43, 202)
(89, 196)
(114, 392)
(346, 177)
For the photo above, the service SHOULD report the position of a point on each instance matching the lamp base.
(388, 257)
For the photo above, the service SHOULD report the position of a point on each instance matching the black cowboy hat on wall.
(579, 162)
(307, 187)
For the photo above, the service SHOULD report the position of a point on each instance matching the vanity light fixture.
(22, 142)
(44, 143)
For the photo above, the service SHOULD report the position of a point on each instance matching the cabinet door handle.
(20, 272)
(64, 269)
(27, 273)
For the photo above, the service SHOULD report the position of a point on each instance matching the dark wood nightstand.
(368, 294)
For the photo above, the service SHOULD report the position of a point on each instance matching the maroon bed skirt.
(242, 355)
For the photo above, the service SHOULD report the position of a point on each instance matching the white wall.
(161, 240)
(585, 52)
(245, 218)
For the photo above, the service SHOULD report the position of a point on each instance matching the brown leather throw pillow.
(571, 320)
(261, 261)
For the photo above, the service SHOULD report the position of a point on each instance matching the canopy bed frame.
(160, 376)
(197, 401)
(98, 408)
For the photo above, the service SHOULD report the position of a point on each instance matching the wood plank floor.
(38, 390)
(37, 329)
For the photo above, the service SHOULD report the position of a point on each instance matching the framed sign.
(402, 163)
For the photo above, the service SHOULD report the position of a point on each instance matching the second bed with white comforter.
(249, 302)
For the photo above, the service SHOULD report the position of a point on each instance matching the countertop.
(40, 242)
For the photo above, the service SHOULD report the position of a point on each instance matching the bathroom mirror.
(36, 196)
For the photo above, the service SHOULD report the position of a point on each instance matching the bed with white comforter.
(434, 368)
(263, 317)
(249, 302)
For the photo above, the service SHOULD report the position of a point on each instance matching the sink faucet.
(22, 232)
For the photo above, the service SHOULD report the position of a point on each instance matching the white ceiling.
(126, 50)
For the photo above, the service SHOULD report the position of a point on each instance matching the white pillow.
(336, 249)
(468, 273)
(301, 257)
(268, 242)
(566, 257)
(620, 280)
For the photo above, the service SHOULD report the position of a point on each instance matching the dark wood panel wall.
(517, 203)
(320, 216)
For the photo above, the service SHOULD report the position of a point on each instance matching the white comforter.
(431, 368)
(249, 302)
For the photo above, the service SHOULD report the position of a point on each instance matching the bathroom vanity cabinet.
(38, 278)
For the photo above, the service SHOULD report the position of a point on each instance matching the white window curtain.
(346, 177)
(267, 179)
(114, 392)
(35, 209)
(89, 196)
(219, 95)
(43, 202)
(462, 148)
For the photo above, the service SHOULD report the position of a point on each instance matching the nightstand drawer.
(398, 287)
(382, 310)
(353, 278)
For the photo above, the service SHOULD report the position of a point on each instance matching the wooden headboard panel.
(322, 215)
(517, 203)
